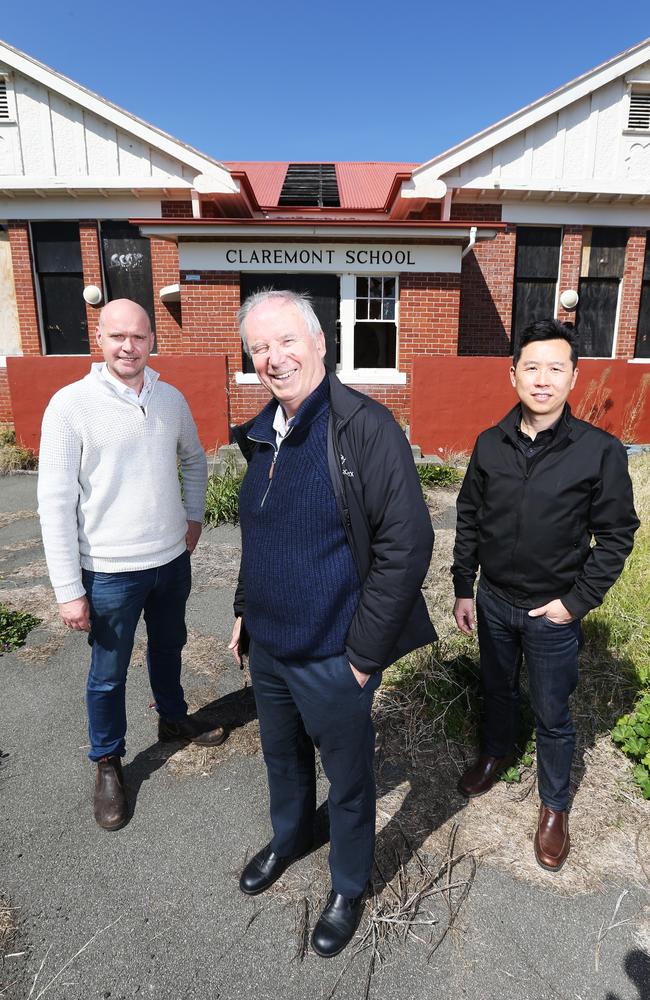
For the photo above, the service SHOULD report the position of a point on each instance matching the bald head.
(126, 341)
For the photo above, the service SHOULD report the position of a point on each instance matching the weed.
(634, 411)
(632, 733)
(438, 475)
(13, 457)
(222, 497)
(14, 626)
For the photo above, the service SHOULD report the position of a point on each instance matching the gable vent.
(639, 116)
(310, 184)
(4, 99)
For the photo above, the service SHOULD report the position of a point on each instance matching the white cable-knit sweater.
(108, 491)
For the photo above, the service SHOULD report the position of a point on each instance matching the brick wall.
(21, 257)
(486, 287)
(92, 270)
(471, 212)
(570, 267)
(176, 209)
(6, 414)
(164, 271)
(631, 293)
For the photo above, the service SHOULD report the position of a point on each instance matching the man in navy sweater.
(336, 541)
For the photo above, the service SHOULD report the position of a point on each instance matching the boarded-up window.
(57, 261)
(642, 346)
(127, 265)
(536, 273)
(603, 263)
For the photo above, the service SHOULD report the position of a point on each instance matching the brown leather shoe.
(109, 802)
(552, 841)
(479, 778)
(191, 731)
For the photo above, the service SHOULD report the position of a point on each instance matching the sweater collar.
(262, 429)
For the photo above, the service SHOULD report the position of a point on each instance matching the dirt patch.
(238, 713)
(15, 515)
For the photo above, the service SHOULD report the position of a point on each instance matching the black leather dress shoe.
(264, 869)
(336, 924)
(190, 730)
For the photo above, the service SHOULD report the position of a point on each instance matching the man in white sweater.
(118, 538)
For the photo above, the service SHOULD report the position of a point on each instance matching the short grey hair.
(301, 300)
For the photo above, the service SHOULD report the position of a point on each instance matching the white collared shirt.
(281, 426)
(143, 398)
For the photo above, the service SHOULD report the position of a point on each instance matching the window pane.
(389, 309)
(362, 308)
(362, 287)
(375, 308)
(374, 345)
(389, 288)
(375, 288)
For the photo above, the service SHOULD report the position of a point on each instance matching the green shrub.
(439, 475)
(632, 733)
(222, 497)
(13, 457)
(14, 626)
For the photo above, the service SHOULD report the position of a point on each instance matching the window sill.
(362, 376)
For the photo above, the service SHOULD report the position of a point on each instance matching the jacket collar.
(565, 426)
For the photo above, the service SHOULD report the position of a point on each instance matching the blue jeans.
(506, 632)
(116, 602)
(307, 703)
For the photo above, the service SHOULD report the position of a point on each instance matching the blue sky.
(333, 81)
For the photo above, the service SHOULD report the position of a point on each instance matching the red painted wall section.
(454, 399)
(202, 380)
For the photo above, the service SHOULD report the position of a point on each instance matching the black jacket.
(386, 522)
(531, 529)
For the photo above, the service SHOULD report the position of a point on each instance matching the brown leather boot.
(109, 803)
(479, 778)
(552, 841)
(191, 731)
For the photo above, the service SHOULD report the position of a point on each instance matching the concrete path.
(154, 909)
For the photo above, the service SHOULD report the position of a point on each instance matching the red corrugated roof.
(361, 185)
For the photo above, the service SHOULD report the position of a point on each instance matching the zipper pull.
(272, 466)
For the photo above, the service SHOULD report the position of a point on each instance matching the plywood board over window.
(603, 263)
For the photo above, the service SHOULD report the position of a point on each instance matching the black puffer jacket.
(531, 530)
(386, 522)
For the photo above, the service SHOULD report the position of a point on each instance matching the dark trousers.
(506, 632)
(307, 703)
(116, 602)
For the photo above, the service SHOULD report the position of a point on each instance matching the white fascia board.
(125, 121)
(532, 213)
(320, 232)
(94, 183)
(530, 115)
(633, 188)
(42, 209)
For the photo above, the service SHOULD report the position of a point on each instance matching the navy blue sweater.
(301, 583)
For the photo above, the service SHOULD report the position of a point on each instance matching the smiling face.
(125, 338)
(543, 377)
(288, 359)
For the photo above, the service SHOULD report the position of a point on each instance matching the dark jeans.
(506, 632)
(116, 602)
(302, 703)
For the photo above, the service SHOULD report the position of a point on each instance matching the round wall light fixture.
(92, 295)
(569, 299)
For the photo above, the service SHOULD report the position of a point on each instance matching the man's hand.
(234, 641)
(194, 529)
(464, 614)
(76, 614)
(361, 678)
(554, 611)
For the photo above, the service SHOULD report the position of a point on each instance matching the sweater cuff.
(71, 592)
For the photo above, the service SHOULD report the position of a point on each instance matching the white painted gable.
(572, 143)
(60, 136)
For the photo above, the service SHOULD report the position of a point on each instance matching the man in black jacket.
(336, 541)
(538, 487)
